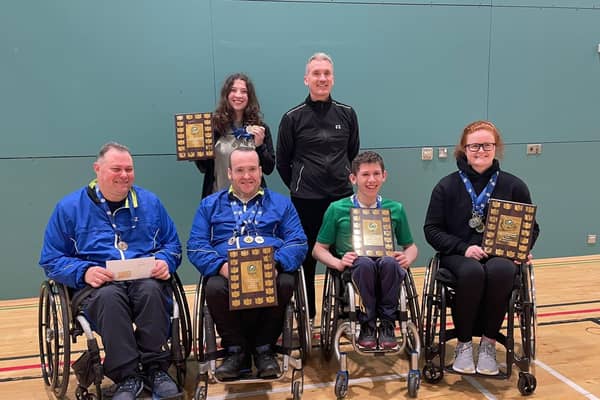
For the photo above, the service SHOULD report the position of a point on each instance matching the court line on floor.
(566, 380)
(356, 381)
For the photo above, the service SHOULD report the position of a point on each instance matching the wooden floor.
(567, 364)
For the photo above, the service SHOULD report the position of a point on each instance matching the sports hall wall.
(75, 74)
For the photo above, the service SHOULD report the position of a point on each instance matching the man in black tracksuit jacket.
(316, 144)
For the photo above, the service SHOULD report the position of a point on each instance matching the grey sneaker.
(486, 361)
(463, 358)
(129, 388)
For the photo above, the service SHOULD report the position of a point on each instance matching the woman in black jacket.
(454, 228)
(236, 122)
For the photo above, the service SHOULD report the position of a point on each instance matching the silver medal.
(259, 239)
(474, 222)
(231, 241)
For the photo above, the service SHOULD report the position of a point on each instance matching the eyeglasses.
(474, 147)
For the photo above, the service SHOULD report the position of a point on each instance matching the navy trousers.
(378, 282)
(114, 308)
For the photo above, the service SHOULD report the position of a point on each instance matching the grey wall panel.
(80, 73)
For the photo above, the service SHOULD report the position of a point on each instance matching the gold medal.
(248, 239)
(480, 228)
(122, 245)
(259, 239)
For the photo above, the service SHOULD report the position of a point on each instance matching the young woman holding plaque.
(454, 228)
(237, 122)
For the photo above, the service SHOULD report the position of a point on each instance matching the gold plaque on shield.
(252, 278)
(509, 229)
(194, 136)
(372, 232)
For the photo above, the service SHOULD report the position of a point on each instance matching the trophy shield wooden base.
(509, 229)
(372, 232)
(251, 278)
(194, 136)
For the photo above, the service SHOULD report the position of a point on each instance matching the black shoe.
(367, 338)
(162, 385)
(231, 367)
(387, 337)
(266, 363)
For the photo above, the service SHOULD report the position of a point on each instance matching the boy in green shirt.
(378, 279)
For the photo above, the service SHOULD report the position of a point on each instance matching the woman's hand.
(258, 132)
(475, 252)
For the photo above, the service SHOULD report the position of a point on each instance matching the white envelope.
(134, 268)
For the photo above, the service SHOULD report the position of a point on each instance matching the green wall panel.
(78, 73)
(402, 94)
(545, 74)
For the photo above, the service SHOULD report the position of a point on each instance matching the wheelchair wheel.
(185, 330)
(414, 381)
(302, 320)
(329, 315)
(296, 392)
(430, 313)
(341, 384)
(528, 314)
(412, 299)
(54, 337)
(527, 383)
(198, 332)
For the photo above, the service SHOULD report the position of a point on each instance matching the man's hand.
(347, 261)
(475, 252)
(224, 271)
(402, 259)
(97, 276)
(160, 270)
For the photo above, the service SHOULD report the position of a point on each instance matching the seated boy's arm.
(322, 253)
(408, 256)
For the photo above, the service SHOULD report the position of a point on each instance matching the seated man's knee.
(216, 286)
(286, 283)
(388, 264)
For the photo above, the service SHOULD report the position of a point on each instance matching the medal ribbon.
(110, 215)
(357, 204)
(245, 217)
(241, 133)
(480, 202)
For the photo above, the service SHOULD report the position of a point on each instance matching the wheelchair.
(294, 348)
(339, 318)
(61, 321)
(438, 295)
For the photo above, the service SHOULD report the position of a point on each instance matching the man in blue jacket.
(246, 216)
(111, 219)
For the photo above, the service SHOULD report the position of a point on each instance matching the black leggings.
(482, 291)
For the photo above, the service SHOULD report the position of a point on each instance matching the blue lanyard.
(480, 202)
(245, 217)
(110, 214)
(357, 204)
(241, 133)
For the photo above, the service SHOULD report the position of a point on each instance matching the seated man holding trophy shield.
(99, 241)
(378, 275)
(229, 225)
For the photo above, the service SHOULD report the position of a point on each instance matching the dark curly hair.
(224, 114)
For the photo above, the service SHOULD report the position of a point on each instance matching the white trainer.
(463, 358)
(486, 360)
